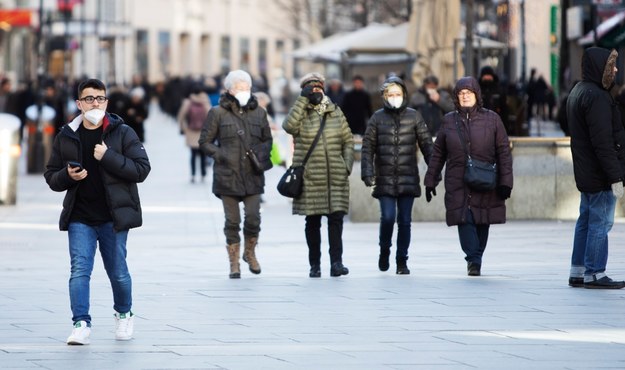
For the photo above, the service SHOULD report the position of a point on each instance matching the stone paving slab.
(519, 315)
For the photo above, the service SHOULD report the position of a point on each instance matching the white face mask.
(94, 116)
(395, 102)
(243, 97)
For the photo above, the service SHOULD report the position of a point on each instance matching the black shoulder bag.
(292, 182)
(478, 175)
(249, 153)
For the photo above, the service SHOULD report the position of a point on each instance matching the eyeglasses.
(465, 93)
(90, 99)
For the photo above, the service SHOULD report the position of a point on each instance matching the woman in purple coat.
(485, 138)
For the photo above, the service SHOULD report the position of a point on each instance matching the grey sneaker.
(124, 325)
(80, 334)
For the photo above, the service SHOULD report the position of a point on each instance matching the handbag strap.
(315, 141)
(464, 144)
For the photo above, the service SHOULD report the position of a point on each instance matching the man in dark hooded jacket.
(598, 147)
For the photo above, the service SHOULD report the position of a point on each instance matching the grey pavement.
(519, 315)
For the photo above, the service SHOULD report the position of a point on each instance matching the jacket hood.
(598, 66)
(468, 83)
(110, 120)
(398, 81)
(231, 103)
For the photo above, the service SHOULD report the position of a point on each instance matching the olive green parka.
(326, 177)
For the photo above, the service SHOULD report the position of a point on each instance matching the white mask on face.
(395, 101)
(94, 116)
(243, 97)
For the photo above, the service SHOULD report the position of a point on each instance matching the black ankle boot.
(402, 267)
(337, 269)
(474, 269)
(383, 263)
(315, 271)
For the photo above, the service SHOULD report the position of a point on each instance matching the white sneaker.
(80, 334)
(124, 325)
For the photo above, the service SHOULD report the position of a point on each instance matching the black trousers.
(335, 237)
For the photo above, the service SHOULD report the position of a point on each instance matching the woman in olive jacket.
(486, 139)
(389, 163)
(326, 177)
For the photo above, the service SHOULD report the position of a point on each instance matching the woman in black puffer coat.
(389, 164)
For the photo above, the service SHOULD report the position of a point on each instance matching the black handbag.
(478, 175)
(291, 184)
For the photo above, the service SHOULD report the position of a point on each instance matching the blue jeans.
(590, 244)
(473, 238)
(82, 247)
(392, 208)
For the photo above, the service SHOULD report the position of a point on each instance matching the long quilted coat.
(326, 177)
(486, 137)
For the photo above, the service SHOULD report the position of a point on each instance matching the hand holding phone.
(76, 166)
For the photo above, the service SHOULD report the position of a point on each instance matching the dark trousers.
(400, 209)
(194, 154)
(473, 238)
(251, 223)
(335, 237)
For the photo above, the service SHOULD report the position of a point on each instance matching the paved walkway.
(519, 315)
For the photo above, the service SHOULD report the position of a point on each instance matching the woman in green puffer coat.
(326, 177)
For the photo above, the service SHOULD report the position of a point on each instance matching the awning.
(610, 33)
(374, 44)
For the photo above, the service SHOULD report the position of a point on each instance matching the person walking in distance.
(98, 160)
(191, 119)
(233, 132)
(389, 164)
(598, 148)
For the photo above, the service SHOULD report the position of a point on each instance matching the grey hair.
(237, 76)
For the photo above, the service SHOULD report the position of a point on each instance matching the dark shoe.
(576, 282)
(604, 283)
(337, 269)
(474, 269)
(383, 262)
(402, 268)
(315, 271)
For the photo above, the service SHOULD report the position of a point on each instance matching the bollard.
(10, 151)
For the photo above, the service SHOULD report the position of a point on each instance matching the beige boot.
(234, 252)
(249, 256)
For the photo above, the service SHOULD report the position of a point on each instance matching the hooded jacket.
(597, 134)
(220, 138)
(486, 139)
(326, 174)
(124, 164)
(390, 148)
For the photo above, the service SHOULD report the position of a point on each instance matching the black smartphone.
(73, 164)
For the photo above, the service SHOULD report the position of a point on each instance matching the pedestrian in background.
(598, 147)
(494, 95)
(98, 161)
(191, 119)
(432, 102)
(357, 106)
(480, 131)
(136, 111)
(326, 177)
(231, 129)
(390, 164)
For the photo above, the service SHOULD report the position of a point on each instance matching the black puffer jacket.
(124, 164)
(389, 148)
(233, 174)
(597, 134)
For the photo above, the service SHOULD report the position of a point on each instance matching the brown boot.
(249, 256)
(234, 252)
